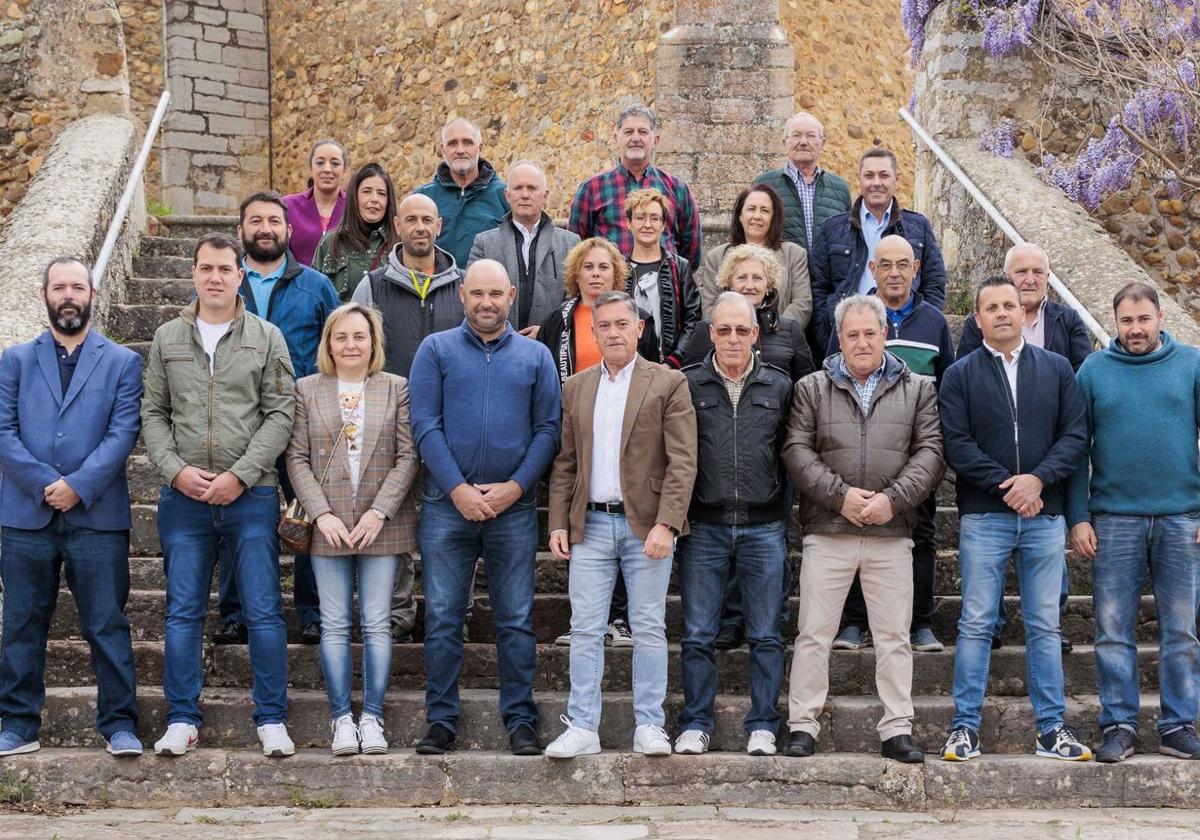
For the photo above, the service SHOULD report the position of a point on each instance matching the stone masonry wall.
(142, 22)
(546, 79)
(59, 60)
(215, 144)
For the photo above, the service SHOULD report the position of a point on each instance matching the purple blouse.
(306, 222)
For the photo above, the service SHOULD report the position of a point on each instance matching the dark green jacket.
(351, 263)
(832, 197)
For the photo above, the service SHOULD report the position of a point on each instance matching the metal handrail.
(131, 185)
(1097, 331)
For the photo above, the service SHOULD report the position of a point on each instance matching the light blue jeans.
(986, 540)
(335, 586)
(608, 543)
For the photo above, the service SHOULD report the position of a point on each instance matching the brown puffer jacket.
(831, 447)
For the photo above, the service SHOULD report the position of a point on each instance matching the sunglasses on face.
(724, 330)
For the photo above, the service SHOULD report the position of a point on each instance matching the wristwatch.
(380, 514)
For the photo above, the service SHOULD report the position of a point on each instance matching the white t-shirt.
(210, 334)
(352, 400)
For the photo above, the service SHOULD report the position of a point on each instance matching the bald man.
(530, 248)
(485, 418)
(468, 192)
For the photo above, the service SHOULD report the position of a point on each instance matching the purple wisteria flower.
(998, 139)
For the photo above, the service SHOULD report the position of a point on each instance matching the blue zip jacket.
(466, 211)
(1143, 416)
(484, 413)
(300, 302)
(985, 447)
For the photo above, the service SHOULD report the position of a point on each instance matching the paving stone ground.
(599, 823)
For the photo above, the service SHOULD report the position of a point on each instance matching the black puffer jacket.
(740, 478)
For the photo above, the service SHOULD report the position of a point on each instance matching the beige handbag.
(295, 529)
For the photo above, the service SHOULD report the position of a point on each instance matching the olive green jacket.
(239, 418)
(351, 264)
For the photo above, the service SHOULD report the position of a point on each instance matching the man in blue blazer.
(69, 404)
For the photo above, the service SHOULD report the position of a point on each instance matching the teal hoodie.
(1143, 416)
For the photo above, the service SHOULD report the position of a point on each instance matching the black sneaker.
(438, 740)
(1062, 743)
(1067, 647)
(800, 745)
(524, 741)
(231, 633)
(1119, 744)
(1182, 743)
(961, 745)
(730, 636)
(310, 634)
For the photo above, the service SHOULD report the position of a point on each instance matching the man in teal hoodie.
(1141, 513)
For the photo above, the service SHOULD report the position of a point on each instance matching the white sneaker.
(370, 730)
(275, 740)
(762, 742)
(564, 640)
(179, 739)
(619, 634)
(344, 738)
(649, 739)
(575, 741)
(691, 742)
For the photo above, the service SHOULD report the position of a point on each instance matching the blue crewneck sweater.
(1143, 414)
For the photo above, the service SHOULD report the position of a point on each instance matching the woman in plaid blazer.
(353, 463)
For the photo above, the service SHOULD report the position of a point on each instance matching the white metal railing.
(131, 185)
(1097, 331)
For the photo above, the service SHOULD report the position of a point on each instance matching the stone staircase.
(230, 770)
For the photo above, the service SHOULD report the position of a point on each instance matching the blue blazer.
(84, 436)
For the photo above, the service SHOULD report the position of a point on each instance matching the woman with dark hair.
(319, 208)
(758, 220)
(366, 234)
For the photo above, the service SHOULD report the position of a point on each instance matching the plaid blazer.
(388, 468)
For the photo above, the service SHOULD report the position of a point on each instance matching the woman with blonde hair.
(353, 464)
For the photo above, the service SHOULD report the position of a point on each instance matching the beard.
(71, 324)
(265, 253)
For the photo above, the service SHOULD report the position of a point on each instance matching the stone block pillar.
(216, 141)
(724, 87)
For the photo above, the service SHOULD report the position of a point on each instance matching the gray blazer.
(553, 245)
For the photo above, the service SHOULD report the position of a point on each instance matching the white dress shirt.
(604, 484)
(1010, 368)
(527, 237)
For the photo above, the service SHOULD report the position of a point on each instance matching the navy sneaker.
(961, 745)
(852, 638)
(1119, 744)
(124, 743)
(13, 744)
(1182, 743)
(1062, 743)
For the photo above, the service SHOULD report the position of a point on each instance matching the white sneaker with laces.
(691, 742)
(275, 740)
(370, 730)
(762, 742)
(650, 739)
(575, 741)
(179, 739)
(344, 739)
(618, 634)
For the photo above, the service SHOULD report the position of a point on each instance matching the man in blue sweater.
(1013, 427)
(485, 417)
(1141, 513)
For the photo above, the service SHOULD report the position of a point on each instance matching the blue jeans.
(450, 545)
(609, 544)
(97, 567)
(705, 557)
(335, 583)
(986, 540)
(1128, 548)
(304, 589)
(190, 531)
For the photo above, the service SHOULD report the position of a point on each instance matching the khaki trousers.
(884, 566)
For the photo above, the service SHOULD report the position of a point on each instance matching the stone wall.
(216, 139)
(545, 79)
(59, 60)
(142, 22)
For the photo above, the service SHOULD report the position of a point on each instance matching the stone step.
(68, 663)
(159, 290)
(193, 227)
(848, 722)
(314, 778)
(169, 246)
(162, 265)
(138, 321)
(146, 610)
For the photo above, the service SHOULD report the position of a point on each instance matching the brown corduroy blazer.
(387, 470)
(658, 451)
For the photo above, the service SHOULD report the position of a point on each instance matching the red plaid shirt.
(599, 210)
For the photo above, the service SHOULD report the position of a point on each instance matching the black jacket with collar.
(679, 300)
(740, 478)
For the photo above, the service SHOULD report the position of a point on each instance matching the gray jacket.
(551, 246)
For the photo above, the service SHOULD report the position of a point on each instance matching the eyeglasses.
(886, 265)
(724, 330)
